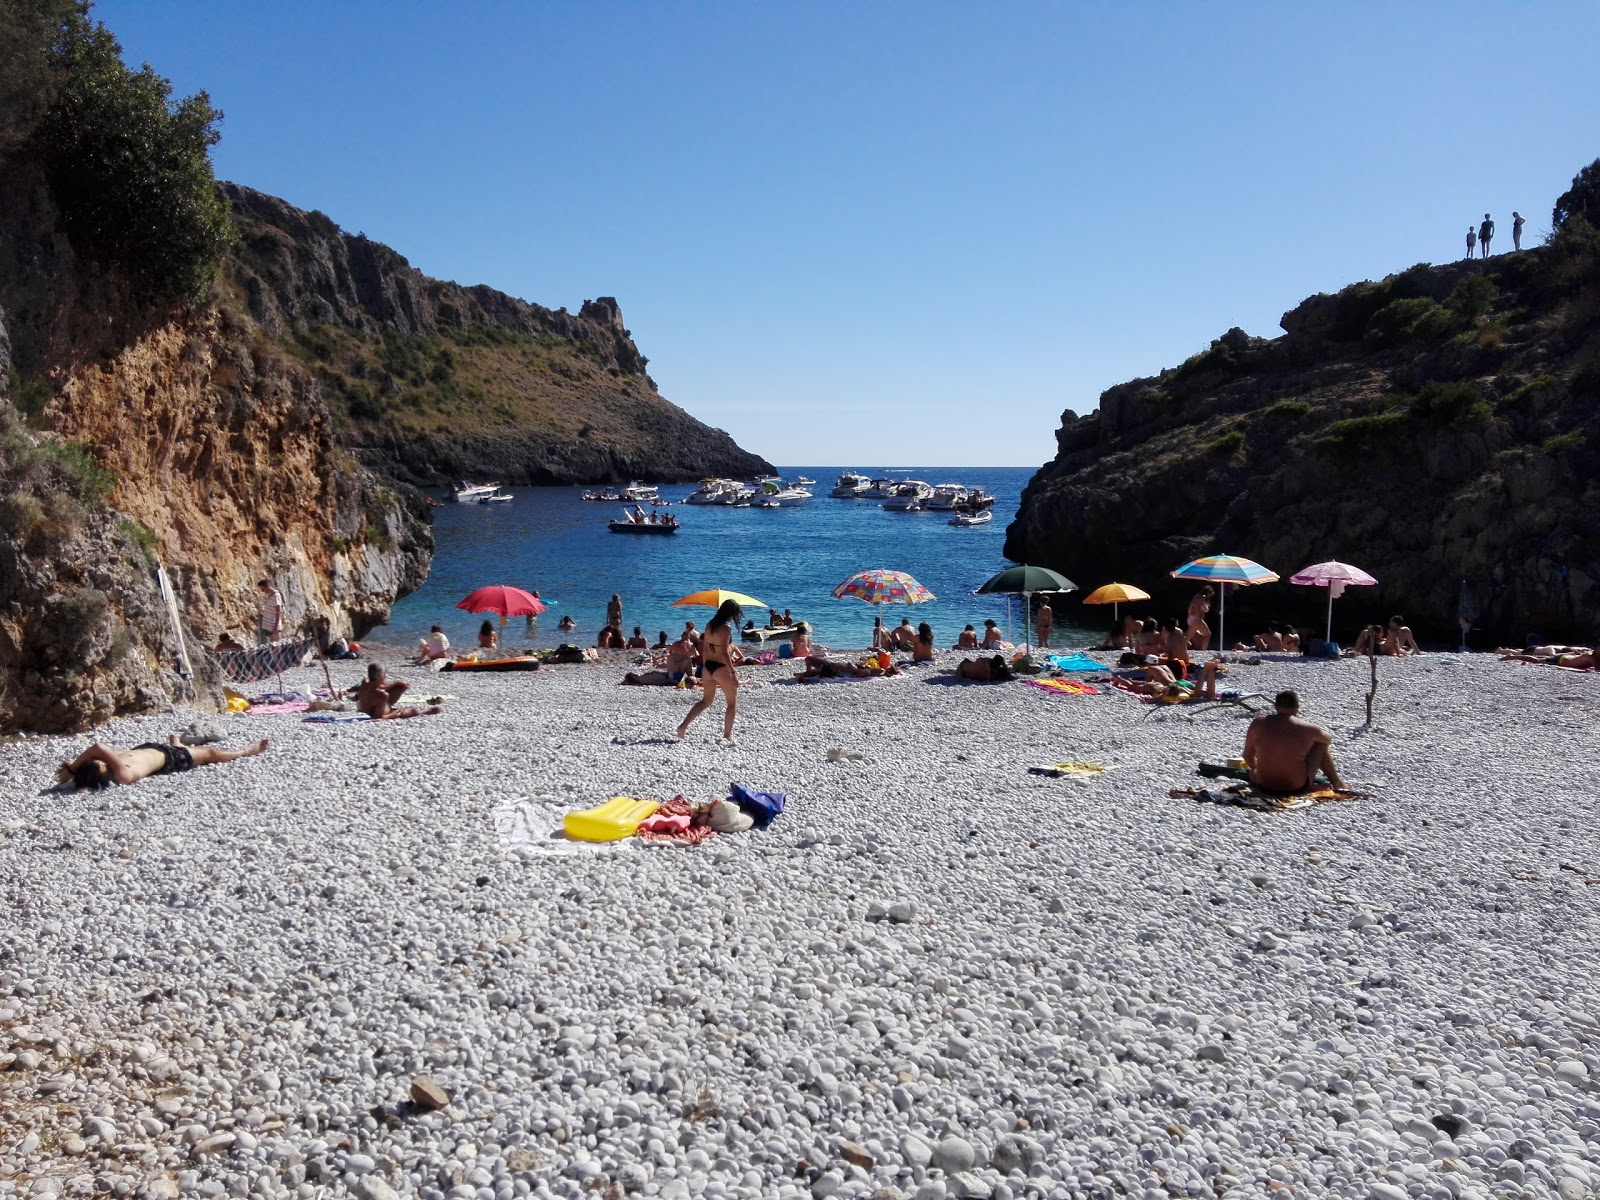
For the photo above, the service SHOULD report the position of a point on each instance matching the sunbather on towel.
(1159, 683)
(649, 679)
(100, 765)
(378, 695)
(824, 668)
(1284, 753)
(985, 670)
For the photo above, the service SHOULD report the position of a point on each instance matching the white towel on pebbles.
(533, 827)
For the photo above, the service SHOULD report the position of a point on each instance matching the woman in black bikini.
(721, 657)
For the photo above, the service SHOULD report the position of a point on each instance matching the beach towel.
(1063, 687)
(1244, 795)
(532, 828)
(1075, 662)
(763, 807)
(1070, 768)
(674, 821)
(827, 679)
(263, 662)
(337, 718)
(278, 710)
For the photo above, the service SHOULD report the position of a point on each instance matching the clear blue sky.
(839, 228)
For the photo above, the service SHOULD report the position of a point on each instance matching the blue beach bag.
(761, 807)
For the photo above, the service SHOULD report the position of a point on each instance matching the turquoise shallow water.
(552, 540)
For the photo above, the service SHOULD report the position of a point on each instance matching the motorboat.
(850, 486)
(803, 479)
(664, 527)
(946, 497)
(880, 489)
(637, 520)
(975, 518)
(495, 498)
(710, 491)
(908, 496)
(466, 493)
(639, 493)
(735, 495)
(779, 495)
(976, 500)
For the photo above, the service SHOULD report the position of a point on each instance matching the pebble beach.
(934, 975)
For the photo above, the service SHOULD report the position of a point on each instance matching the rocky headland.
(1436, 427)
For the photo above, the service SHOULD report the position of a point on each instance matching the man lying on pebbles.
(100, 765)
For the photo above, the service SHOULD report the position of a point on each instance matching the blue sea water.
(552, 540)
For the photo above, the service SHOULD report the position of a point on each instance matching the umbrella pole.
(1222, 619)
(1328, 636)
(1027, 623)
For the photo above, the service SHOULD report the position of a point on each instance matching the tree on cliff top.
(129, 167)
(1582, 199)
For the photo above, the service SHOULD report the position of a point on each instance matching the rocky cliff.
(132, 436)
(1435, 427)
(431, 381)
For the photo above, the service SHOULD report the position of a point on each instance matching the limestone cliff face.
(432, 381)
(1438, 427)
(129, 438)
(223, 450)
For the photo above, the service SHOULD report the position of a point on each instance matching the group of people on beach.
(1480, 237)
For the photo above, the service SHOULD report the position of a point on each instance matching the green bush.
(1225, 445)
(1473, 296)
(1417, 318)
(1288, 410)
(1360, 432)
(1582, 199)
(1521, 400)
(129, 167)
(1355, 306)
(1452, 405)
(140, 536)
(1564, 443)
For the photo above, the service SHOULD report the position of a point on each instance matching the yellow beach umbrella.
(715, 597)
(1115, 594)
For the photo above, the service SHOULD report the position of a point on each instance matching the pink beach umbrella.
(1335, 576)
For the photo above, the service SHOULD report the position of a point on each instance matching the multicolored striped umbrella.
(1225, 568)
(883, 587)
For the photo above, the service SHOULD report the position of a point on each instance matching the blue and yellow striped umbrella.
(883, 587)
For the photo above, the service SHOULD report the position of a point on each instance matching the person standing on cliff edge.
(270, 627)
(1485, 232)
(1517, 222)
(1472, 240)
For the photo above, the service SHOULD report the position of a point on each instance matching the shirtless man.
(902, 636)
(984, 670)
(680, 658)
(1398, 639)
(968, 639)
(1159, 683)
(377, 698)
(991, 636)
(1176, 645)
(1046, 622)
(1285, 753)
(100, 765)
(1270, 642)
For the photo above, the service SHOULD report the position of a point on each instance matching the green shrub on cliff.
(1413, 319)
(1582, 199)
(1473, 296)
(1452, 405)
(128, 166)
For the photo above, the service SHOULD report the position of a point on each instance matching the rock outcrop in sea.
(1434, 428)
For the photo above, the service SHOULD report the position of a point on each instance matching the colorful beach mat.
(1063, 687)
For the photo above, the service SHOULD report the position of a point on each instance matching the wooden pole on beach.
(1372, 655)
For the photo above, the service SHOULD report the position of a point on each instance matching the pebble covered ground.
(935, 975)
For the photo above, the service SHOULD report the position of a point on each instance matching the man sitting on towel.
(378, 696)
(1284, 753)
(100, 765)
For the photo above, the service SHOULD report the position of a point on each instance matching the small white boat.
(709, 491)
(466, 493)
(982, 517)
(908, 496)
(777, 495)
(851, 486)
(803, 479)
(880, 489)
(495, 498)
(638, 493)
(975, 501)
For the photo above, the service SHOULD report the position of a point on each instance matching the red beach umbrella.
(506, 601)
